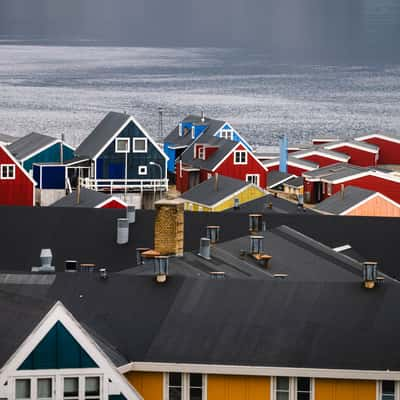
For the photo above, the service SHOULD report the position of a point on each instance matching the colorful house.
(123, 157)
(39, 148)
(321, 156)
(220, 193)
(209, 156)
(361, 202)
(389, 147)
(17, 187)
(193, 127)
(295, 166)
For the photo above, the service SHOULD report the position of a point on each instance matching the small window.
(253, 178)
(175, 386)
(139, 145)
(142, 170)
(303, 389)
(23, 389)
(196, 386)
(240, 157)
(282, 388)
(71, 388)
(7, 171)
(92, 388)
(227, 134)
(44, 389)
(201, 153)
(122, 145)
(388, 390)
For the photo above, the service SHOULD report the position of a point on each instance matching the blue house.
(190, 129)
(38, 148)
(123, 156)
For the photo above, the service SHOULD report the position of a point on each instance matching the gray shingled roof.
(213, 126)
(335, 171)
(29, 144)
(205, 192)
(295, 182)
(320, 149)
(7, 138)
(299, 161)
(277, 177)
(103, 132)
(365, 145)
(88, 199)
(338, 203)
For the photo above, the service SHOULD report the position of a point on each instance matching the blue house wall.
(171, 153)
(51, 154)
(111, 165)
(49, 176)
(235, 136)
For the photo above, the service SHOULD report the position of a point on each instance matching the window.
(71, 388)
(285, 388)
(122, 145)
(201, 152)
(139, 145)
(44, 389)
(185, 386)
(387, 390)
(23, 389)
(282, 388)
(196, 387)
(92, 388)
(253, 178)
(240, 157)
(303, 389)
(227, 134)
(142, 170)
(174, 386)
(7, 171)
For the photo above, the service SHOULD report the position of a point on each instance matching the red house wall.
(18, 191)
(238, 171)
(389, 152)
(320, 160)
(182, 182)
(358, 157)
(113, 204)
(290, 169)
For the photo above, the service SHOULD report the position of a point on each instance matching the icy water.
(54, 90)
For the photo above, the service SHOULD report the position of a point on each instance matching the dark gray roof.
(335, 171)
(213, 126)
(103, 132)
(29, 144)
(88, 199)
(365, 145)
(295, 182)
(277, 177)
(205, 192)
(339, 202)
(321, 149)
(7, 138)
(299, 161)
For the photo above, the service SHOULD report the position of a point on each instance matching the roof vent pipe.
(131, 214)
(255, 223)
(213, 232)
(205, 248)
(71, 265)
(216, 178)
(122, 230)
(103, 273)
(180, 129)
(370, 272)
(161, 264)
(203, 119)
(46, 257)
(236, 203)
(256, 244)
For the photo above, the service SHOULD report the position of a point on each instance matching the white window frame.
(292, 388)
(134, 140)
(251, 176)
(142, 170)
(227, 134)
(185, 386)
(202, 152)
(240, 157)
(126, 140)
(10, 168)
(396, 389)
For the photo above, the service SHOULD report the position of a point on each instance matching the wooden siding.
(113, 204)
(223, 387)
(148, 384)
(290, 169)
(376, 207)
(335, 389)
(358, 157)
(322, 161)
(389, 152)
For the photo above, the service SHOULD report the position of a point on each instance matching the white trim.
(377, 136)
(185, 386)
(324, 140)
(14, 160)
(253, 175)
(59, 313)
(245, 162)
(292, 389)
(339, 157)
(339, 249)
(134, 140)
(36, 152)
(358, 175)
(122, 139)
(113, 198)
(245, 142)
(260, 371)
(140, 171)
(353, 145)
(292, 164)
(13, 169)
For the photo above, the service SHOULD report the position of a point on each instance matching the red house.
(389, 147)
(321, 156)
(17, 187)
(294, 166)
(362, 154)
(209, 157)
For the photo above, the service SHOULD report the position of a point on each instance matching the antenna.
(160, 123)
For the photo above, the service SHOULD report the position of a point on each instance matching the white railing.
(120, 185)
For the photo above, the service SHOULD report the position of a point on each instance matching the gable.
(236, 137)
(57, 350)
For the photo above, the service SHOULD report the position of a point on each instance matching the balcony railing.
(122, 185)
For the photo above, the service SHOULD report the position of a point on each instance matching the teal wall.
(51, 154)
(58, 349)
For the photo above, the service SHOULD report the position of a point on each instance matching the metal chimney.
(122, 230)
(103, 273)
(236, 203)
(205, 248)
(213, 233)
(216, 179)
(370, 272)
(256, 244)
(131, 214)
(46, 257)
(161, 266)
(203, 119)
(283, 144)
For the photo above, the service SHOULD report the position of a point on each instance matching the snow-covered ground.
(68, 90)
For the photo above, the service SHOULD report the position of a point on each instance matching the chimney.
(62, 149)
(256, 244)
(216, 179)
(103, 273)
(342, 191)
(283, 144)
(203, 119)
(213, 233)
(169, 227)
(131, 214)
(370, 272)
(236, 203)
(122, 230)
(180, 129)
(161, 264)
(46, 257)
(255, 223)
(205, 248)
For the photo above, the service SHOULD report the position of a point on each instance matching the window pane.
(44, 388)
(175, 379)
(282, 396)
(282, 383)
(92, 386)
(388, 387)
(387, 396)
(140, 144)
(175, 394)
(303, 396)
(122, 145)
(23, 388)
(196, 394)
(196, 380)
(303, 384)
(71, 387)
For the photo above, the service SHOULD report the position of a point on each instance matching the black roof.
(27, 145)
(295, 182)
(103, 132)
(207, 194)
(277, 177)
(87, 199)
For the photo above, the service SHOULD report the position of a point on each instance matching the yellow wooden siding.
(148, 384)
(224, 387)
(342, 389)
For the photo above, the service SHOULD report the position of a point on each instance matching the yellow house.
(220, 193)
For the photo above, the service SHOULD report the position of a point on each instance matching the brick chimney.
(169, 227)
